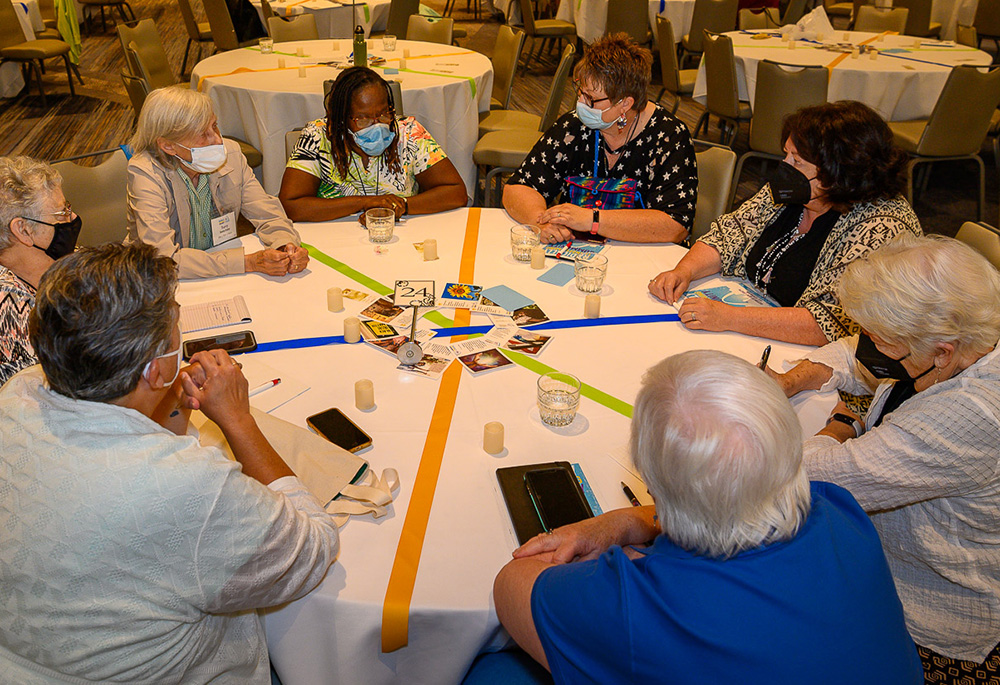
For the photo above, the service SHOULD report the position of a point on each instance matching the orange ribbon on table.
(840, 58)
(396, 608)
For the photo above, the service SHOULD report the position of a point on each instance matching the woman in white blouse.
(924, 460)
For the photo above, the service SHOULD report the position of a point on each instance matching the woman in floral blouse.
(836, 197)
(362, 157)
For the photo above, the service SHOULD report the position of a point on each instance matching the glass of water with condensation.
(558, 398)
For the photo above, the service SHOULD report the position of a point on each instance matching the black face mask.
(64, 237)
(789, 186)
(882, 365)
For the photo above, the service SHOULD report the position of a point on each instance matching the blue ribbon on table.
(882, 53)
(298, 343)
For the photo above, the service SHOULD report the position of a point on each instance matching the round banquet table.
(679, 12)
(333, 634)
(336, 18)
(903, 83)
(444, 87)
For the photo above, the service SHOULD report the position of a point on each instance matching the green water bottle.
(360, 47)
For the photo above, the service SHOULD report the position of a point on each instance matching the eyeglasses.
(587, 99)
(66, 213)
(385, 117)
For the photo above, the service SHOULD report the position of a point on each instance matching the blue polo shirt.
(820, 608)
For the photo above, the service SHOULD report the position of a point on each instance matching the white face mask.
(206, 159)
(177, 369)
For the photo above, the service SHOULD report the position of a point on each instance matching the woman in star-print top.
(638, 140)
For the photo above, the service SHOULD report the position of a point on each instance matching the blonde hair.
(170, 113)
(720, 450)
(917, 292)
(25, 183)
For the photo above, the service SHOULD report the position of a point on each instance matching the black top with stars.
(660, 159)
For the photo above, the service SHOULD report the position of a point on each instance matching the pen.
(631, 495)
(263, 386)
(764, 357)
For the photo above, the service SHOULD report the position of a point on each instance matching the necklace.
(775, 251)
(614, 151)
(361, 180)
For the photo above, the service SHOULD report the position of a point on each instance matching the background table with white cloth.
(333, 634)
(903, 83)
(679, 12)
(444, 87)
(336, 18)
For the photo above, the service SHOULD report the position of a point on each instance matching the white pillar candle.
(538, 257)
(430, 249)
(917, 44)
(791, 44)
(300, 51)
(847, 37)
(493, 437)
(855, 52)
(335, 46)
(592, 306)
(335, 300)
(364, 394)
(352, 329)
(302, 72)
(406, 52)
(281, 62)
(873, 54)
(402, 62)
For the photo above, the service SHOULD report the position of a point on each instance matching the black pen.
(631, 495)
(764, 357)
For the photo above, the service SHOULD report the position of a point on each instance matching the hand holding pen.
(762, 364)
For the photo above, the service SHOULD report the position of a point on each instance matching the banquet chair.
(198, 32)
(675, 81)
(31, 53)
(267, 12)
(104, 211)
(957, 126)
(715, 177)
(715, 16)
(136, 89)
(795, 11)
(400, 12)
(300, 27)
(501, 152)
(751, 19)
(722, 97)
(631, 17)
(430, 29)
(987, 21)
(839, 10)
(47, 9)
(918, 21)
(782, 89)
(966, 35)
(120, 5)
(506, 55)
(515, 119)
(876, 20)
(152, 58)
(221, 24)
(544, 29)
(982, 238)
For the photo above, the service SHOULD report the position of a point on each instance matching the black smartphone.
(334, 425)
(233, 343)
(557, 497)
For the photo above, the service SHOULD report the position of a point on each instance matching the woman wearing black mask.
(835, 197)
(924, 460)
(37, 226)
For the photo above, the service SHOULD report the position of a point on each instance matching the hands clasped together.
(215, 384)
(290, 259)
(557, 222)
(393, 202)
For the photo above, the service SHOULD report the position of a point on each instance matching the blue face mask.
(374, 139)
(591, 117)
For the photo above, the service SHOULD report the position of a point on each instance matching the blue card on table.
(560, 274)
(507, 298)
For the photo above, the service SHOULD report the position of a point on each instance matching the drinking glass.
(522, 239)
(558, 398)
(590, 273)
(381, 221)
(266, 46)
(389, 42)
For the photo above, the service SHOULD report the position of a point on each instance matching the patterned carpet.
(100, 116)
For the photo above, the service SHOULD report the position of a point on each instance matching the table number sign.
(408, 293)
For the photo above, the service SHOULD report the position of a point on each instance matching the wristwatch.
(849, 420)
(597, 222)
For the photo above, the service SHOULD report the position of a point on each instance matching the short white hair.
(25, 184)
(720, 450)
(171, 113)
(918, 292)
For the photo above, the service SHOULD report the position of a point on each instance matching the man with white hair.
(747, 573)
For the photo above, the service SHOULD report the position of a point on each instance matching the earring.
(622, 122)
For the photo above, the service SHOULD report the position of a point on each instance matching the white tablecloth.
(900, 86)
(337, 19)
(444, 87)
(590, 17)
(333, 635)
(679, 12)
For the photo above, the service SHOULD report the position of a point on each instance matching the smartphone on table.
(334, 425)
(557, 497)
(233, 343)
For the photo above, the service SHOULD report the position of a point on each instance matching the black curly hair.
(338, 112)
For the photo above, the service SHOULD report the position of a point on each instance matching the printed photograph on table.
(357, 295)
(736, 293)
(526, 316)
(459, 294)
(429, 366)
(483, 362)
(389, 345)
(382, 310)
(377, 330)
(527, 342)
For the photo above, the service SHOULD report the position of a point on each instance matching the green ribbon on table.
(471, 81)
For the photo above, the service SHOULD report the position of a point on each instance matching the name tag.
(223, 228)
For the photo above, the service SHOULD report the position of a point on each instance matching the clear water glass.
(558, 398)
(381, 221)
(522, 239)
(266, 46)
(590, 273)
(389, 42)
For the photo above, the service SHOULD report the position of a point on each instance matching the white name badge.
(223, 228)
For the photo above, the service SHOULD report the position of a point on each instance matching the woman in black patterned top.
(839, 189)
(616, 129)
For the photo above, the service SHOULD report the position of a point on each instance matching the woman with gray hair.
(187, 187)
(924, 460)
(37, 226)
(744, 577)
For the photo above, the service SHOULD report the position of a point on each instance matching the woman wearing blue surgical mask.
(37, 226)
(188, 186)
(836, 196)
(618, 166)
(361, 156)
